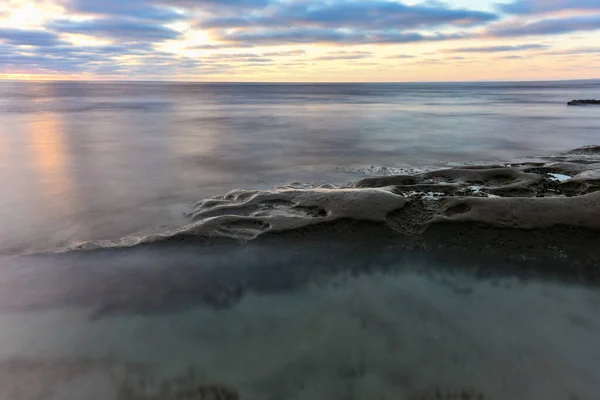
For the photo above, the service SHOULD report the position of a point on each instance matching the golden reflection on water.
(3, 148)
(50, 162)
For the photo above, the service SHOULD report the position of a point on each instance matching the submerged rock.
(582, 102)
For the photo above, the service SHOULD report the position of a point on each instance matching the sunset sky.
(300, 40)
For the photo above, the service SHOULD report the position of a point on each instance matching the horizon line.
(295, 82)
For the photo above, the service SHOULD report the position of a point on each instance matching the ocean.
(100, 160)
(327, 314)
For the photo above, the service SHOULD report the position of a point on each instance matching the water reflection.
(49, 156)
(4, 149)
(306, 324)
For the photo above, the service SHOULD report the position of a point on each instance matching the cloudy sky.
(300, 40)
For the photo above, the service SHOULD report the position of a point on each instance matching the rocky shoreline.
(546, 211)
(583, 102)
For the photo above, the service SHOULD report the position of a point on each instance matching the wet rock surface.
(582, 102)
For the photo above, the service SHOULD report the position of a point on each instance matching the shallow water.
(83, 160)
(297, 322)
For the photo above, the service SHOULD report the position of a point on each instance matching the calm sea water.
(101, 160)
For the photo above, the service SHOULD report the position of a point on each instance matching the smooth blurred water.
(305, 321)
(100, 160)
(296, 319)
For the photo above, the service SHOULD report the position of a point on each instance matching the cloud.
(28, 37)
(544, 6)
(548, 26)
(309, 35)
(103, 52)
(236, 58)
(137, 27)
(121, 29)
(161, 67)
(232, 56)
(284, 53)
(494, 49)
(67, 58)
(231, 4)
(428, 61)
(342, 21)
(334, 58)
(574, 51)
(219, 46)
(257, 60)
(21, 59)
(36, 61)
(139, 9)
(73, 62)
(401, 56)
(158, 10)
(344, 55)
(374, 14)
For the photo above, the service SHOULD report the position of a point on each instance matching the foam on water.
(560, 177)
(369, 170)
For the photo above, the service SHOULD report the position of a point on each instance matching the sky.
(300, 40)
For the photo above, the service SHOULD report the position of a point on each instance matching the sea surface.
(83, 161)
(101, 160)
